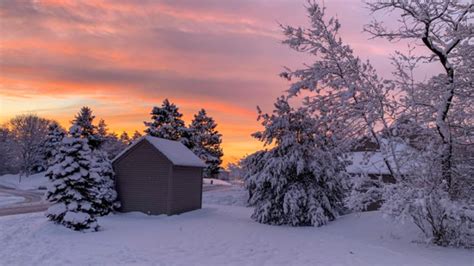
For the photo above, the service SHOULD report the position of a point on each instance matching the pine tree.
(102, 131)
(136, 135)
(166, 123)
(124, 138)
(101, 171)
(205, 142)
(53, 141)
(300, 180)
(73, 189)
(84, 120)
(112, 145)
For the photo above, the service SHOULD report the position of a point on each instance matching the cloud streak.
(122, 57)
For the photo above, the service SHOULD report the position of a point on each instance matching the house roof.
(372, 162)
(175, 151)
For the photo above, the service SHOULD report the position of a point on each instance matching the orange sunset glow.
(121, 58)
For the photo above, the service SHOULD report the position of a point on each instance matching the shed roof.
(175, 151)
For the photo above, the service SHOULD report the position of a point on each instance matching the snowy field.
(219, 234)
(32, 182)
(213, 181)
(37, 181)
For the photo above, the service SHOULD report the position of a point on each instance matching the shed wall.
(186, 186)
(142, 179)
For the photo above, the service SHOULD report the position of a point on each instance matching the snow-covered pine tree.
(299, 181)
(109, 142)
(252, 165)
(84, 120)
(206, 142)
(166, 123)
(73, 190)
(105, 199)
(53, 141)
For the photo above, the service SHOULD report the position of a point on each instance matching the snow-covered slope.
(218, 235)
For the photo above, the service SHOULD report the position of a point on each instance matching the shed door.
(137, 193)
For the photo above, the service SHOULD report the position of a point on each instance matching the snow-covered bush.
(442, 220)
(422, 196)
(365, 191)
(299, 181)
(72, 190)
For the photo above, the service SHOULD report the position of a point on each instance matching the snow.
(6, 199)
(213, 181)
(229, 195)
(219, 235)
(32, 182)
(175, 151)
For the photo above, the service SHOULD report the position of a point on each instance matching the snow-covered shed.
(158, 176)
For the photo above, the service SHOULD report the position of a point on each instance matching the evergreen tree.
(73, 189)
(101, 171)
(112, 145)
(125, 139)
(136, 135)
(299, 181)
(84, 120)
(206, 142)
(102, 131)
(167, 123)
(53, 141)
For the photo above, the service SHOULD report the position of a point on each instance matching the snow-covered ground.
(219, 234)
(6, 199)
(32, 182)
(214, 181)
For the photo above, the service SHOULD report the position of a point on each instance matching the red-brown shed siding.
(142, 179)
(186, 189)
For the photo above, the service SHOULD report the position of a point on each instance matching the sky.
(123, 57)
